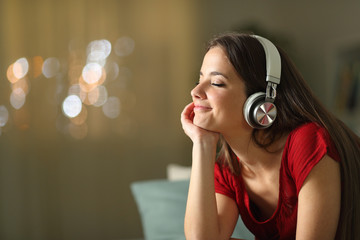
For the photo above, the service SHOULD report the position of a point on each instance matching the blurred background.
(91, 94)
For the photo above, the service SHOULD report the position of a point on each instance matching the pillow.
(177, 172)
(161, 204)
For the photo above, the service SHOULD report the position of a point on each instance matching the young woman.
(295, 176)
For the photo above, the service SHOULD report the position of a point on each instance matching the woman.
(295, 178)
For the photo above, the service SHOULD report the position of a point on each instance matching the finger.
(188, 110)
(192, 115)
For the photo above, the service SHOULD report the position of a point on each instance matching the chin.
(204, 124)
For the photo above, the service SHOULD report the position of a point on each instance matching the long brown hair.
(296, 105)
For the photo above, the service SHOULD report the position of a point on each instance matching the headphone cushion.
(250, 104)
(258, 113)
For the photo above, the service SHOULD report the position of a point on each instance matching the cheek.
(230, 107)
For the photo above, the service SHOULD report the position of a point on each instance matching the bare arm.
(319, 202)
(208, 215)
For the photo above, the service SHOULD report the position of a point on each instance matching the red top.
(304, 148)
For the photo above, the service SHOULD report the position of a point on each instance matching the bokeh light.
(112, 70)
(111, 108)
(17, 98)
(98, 50)
(37, 65)
(102, 96)
(124, 46)
(72, 106)
(23, 83)
(4, 116)
(10, 74)
(92, 73)
(84, 80)
(92, 96)
(81, 117)
(21, 68)
(51, 67)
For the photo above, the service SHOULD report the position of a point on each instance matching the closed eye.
(218, 84)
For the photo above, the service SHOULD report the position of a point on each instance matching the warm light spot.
(98, 50)
(78, 131)
(72, 106)
(23, 83)
(111, 108)
(4, 116)
(81, 118)
(102, 98)
(92, 73)
(92, 96)
(37, 64)
(10, 74)
(51, 67)
(21, 68)
(85, 87)
(17, 98)
(124, 46)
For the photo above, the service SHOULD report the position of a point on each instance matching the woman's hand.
(194, 132)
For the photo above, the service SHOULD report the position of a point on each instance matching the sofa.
(161, 205)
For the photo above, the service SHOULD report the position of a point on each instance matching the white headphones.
(259, 109)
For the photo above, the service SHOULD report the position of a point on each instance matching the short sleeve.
(224, 181)
(308, 145)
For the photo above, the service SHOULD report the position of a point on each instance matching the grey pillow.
(161, 204)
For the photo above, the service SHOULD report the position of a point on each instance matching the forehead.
(216, 55)
(216, 59)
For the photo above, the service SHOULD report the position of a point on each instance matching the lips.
(201, 108)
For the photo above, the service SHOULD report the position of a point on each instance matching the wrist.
(205, 148)
(205, 143)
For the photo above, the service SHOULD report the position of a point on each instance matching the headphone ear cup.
(250, 105)
(258, 113)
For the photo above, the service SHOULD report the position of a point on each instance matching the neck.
(253, 157)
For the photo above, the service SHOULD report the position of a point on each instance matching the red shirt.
(304, 148)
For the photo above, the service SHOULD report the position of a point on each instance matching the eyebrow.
(215, 73)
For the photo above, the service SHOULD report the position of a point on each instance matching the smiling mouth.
(201, 108)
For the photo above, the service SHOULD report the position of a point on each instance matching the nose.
(198, 92)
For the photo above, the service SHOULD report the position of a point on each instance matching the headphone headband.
(259, 109)
(273, 60)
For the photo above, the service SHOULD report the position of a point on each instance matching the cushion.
(178, 172)
(161, 204)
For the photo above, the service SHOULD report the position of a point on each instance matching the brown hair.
(296, 105)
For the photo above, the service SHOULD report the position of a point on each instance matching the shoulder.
(308, 131)
(308, 139)
(306, 147)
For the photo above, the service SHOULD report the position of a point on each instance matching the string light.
(88, 79)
